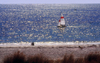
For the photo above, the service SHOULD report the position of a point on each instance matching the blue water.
(38, 22)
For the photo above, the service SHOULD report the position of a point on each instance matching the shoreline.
(51, 44)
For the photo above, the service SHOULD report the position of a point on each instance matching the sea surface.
(38, 23)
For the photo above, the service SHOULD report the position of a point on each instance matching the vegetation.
(19, 57)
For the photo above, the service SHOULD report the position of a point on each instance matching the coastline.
(51, 44)
(50, 50)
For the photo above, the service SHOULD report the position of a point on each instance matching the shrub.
(37, 59)
(69, 59)
(79, 60)
(92, 58)
(17, 57)
(58, 61)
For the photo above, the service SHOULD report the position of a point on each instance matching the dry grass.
(92, 58)
(79, 60)
(19, 57)
(37, 59)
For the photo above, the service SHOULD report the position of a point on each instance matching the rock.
(32, 43)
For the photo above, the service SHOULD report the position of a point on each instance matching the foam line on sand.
(50, 44)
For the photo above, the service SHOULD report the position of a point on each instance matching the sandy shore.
(51, 52)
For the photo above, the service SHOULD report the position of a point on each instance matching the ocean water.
(38, 22)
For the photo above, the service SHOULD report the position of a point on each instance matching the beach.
(50, 51)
